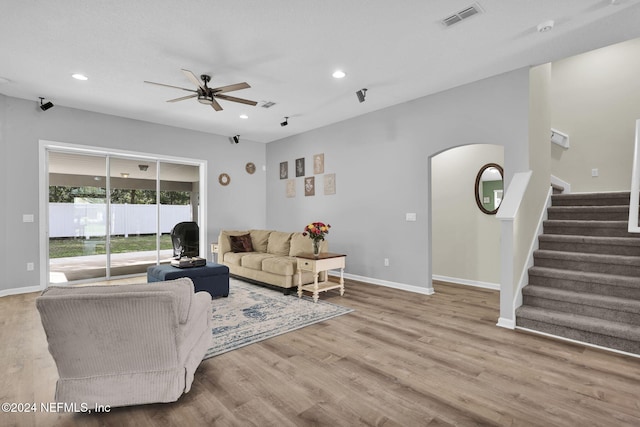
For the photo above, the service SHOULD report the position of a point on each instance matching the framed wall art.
(284, 170)
(318, 164)
(330, 184)
(309, 186)
(291, 188)
(300, 167)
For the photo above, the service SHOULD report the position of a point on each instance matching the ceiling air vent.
(268, 104)
(465, 13)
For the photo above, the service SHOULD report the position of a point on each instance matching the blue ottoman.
(213, 278)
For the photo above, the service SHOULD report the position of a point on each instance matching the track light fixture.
(46, 105)
(143, 168)
(286, 121)
(236, 138)
(361, 94)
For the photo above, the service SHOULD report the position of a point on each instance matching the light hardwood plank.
(399, 359)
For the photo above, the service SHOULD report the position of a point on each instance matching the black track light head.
(286, 122)
(236, 138)
(361, 94)
(44, 106)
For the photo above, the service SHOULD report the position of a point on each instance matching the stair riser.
(591, 230)
(586, 287)
(588, 216)
(582, 309)
(579, 335)
(593, 267)
(622, 200)
(591, 248)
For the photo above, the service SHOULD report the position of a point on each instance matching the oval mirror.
(489, 188)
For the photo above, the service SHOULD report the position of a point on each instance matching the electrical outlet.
(386, 262)
(594, 172)
(30, 266)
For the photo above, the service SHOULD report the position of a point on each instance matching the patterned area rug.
(253, 313)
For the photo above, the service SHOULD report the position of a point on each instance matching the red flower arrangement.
(316, 230)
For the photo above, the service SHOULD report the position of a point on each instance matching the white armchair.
(122, 345)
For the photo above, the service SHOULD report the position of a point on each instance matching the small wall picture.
(318, 164)
(284, 170)
(291, 188)
(330, 184)
(309, 186)
(300, 167)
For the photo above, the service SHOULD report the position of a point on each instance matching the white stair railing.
(635, 185)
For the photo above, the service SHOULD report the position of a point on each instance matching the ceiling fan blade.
(183, 98)
(230, 88)
(193, 78)
(215, 105)
(234, 99)
(175, 87)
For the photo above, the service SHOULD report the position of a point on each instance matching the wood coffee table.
(316, 264)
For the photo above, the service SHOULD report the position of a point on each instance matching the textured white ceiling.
(285, 49)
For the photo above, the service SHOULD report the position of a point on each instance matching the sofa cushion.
(254, 260)
(235, 258)
(279, 243)
(300, 244)
(260, 238)
(284, 266)
(241, 243)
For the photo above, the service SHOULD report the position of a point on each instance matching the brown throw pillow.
(241, 243)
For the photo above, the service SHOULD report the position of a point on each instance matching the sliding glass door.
(111, 215)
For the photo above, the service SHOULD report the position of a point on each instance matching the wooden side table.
(317, 264)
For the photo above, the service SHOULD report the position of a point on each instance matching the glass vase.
(316, 247)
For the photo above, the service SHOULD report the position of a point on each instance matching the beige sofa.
(270, 258)
(122, 345)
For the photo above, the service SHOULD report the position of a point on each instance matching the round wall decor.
(224, 179)
(250, 168)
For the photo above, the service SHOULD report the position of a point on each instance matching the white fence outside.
(88, 219)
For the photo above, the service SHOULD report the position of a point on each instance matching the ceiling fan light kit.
(207, 95)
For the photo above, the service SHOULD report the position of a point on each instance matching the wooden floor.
(401, 359)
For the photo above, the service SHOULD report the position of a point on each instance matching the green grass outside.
(70, 247)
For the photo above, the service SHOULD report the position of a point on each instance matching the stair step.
(595, 263)
(590, 244)
(589, 228)
(591, 199)
(593, 305)
(589, 213)
(594, 283)
(587, 329)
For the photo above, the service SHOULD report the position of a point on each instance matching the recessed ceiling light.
(78, 76)
(244, 116)
(339, 74)
(124, 175)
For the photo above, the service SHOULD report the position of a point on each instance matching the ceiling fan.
(207, 95)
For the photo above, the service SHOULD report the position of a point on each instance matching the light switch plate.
(27, 218)
(411, 216)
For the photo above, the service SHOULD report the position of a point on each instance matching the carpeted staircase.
(585, 282)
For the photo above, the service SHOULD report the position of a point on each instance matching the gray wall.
(595, 100)
(381, 162)
(22, 124)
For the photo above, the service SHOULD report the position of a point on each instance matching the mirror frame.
(475, 187)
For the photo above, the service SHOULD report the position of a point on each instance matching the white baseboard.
(466, 282)
(386, 283)
(18, 291)
(506, 323)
